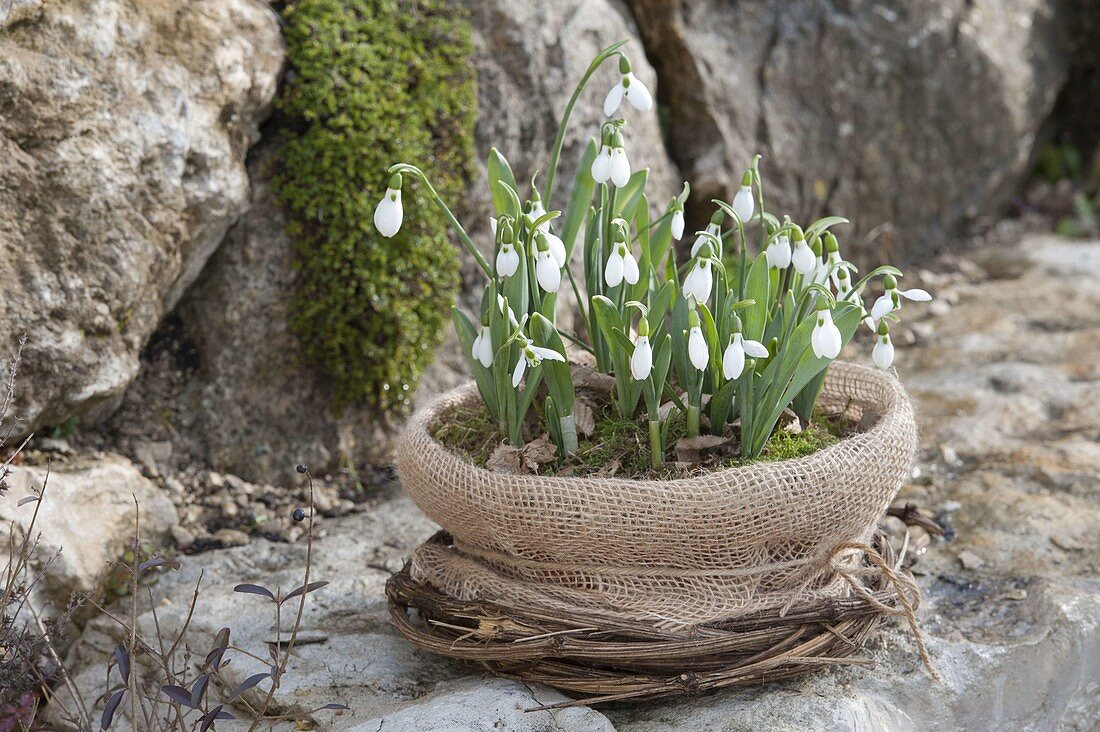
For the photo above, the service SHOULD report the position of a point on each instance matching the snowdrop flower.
(601, 166)
(507, 260)
(803, 257)
(697, 344)
(846, 292)
(483, 347)
(620, 165)
(532, 356)
(700, 280)
(511, 315)
(629, 88)
(621, 265)
(825, 340)
(883, 352)
(714, 228)
(677, 225)
(743, 203)
(733, 360)
(388, 213)
(507, 257)
(547, 269)
(891, 299)
(641, 361)
(778, 252)
(821, 269)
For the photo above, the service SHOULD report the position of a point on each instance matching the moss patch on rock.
(370, 83)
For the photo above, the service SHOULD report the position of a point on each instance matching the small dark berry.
(301, 468)
(299, 515)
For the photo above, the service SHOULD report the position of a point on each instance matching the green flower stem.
(693, 420)
(559, 141)
(466, 241)
(568, 434)
(759, 200)
(656, 451)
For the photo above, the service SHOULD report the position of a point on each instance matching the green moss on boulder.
(370, 83)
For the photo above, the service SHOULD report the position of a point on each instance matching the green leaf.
(608, 317)
(500, 170)
(579, 199)
(758, 288)
(559, 379)
(818, 227)
(512, 205)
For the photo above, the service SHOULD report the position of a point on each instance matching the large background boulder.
(911, 119)
(122, 139)
(258, 405)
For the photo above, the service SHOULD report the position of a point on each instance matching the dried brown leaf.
(689, 449)
(505, 459)
(584, 418)
(538, 452)
(609, 470)
(586, 377)
(790, 422)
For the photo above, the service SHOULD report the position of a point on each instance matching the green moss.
(371, 83)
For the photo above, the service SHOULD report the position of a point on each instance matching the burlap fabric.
(675, 552)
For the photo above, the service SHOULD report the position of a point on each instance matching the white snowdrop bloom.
(532, 356)
(507, 260)
(715, 230)
(697, 348)
(778, 252)
(803, 258)
(621, 265)
(483, 347)
(641, 361)
(883, 352)
(557, 246)
(388, 213)
(743, 203)
(547, 271)
(699, 282)
(733, 360)
(891, 299)
(511, 315)
(620, 167)
(846, 292)
(601, 166)
(677, 225)
(825, 340)
(820, 275)
(537, 209)
(629, 88)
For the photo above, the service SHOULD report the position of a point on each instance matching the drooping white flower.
(557, 246)
(507, 260)
(778, 252)
(483, 347)
(601, 166)
(733, 360)
(511, 315)
(677, 225)
(714, 228)
(532, 356)
(883, 352)
(846, 292)
(388, 213)
(699, 282)
(825, 339)
(641, 361)
(621, 265)
(629, 88)
(891, 299)
(743, 203)
(697, 348)
(547, 271)
(620, 167)
(803, 258)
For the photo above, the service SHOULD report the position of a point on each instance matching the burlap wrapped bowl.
(677, 552)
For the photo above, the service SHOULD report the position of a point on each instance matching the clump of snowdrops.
(742, 330)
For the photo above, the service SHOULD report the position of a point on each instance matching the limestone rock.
(910, 120)
(259, 406)
(87, 515)
(122, 144)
